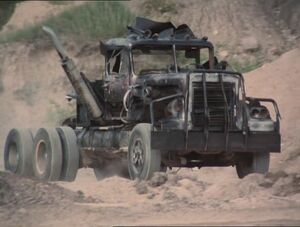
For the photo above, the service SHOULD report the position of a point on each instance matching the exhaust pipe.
(84, 92)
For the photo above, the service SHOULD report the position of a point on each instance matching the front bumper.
(178, 140)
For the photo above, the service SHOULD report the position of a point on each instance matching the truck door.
(118, 77)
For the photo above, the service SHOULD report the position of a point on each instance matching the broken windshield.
(150, 60)
(160, 59)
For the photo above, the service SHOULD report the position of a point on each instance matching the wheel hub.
(137, 158)
(41, 156)
(13, 157)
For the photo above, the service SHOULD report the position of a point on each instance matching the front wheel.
(247, 163)
(142, 160)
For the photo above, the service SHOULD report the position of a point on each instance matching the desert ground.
(33, 96)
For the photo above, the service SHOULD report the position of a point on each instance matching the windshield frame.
(174, 45)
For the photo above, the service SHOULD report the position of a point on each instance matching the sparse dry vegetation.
(246, 65)
(161, 6)
(89, 21)
(56, 113)
(59, 2)
(243, 62)
(27, 93)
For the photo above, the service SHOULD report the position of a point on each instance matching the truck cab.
(165, 101)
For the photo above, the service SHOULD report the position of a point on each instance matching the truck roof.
(148, 32)
(117, 43)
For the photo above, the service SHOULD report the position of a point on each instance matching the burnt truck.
(164, 101)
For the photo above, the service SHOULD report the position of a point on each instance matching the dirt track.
(209, 196)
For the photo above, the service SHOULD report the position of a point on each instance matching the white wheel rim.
(41, 157)
(13, 156)
(137, 156)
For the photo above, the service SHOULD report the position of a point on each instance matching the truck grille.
(216, 105)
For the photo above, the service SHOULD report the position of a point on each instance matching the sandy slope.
(280, 80)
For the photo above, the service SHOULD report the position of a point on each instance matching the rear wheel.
(47, 157)
(247, 163)
(18, 152)
(142, 160)
(70, 151)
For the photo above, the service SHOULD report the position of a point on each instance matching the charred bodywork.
(167, 101)
(199, 112)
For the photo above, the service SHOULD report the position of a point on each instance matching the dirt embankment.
(249, 30)
(280, 80)
(31, 12)
(25, 202)
(173, 198)
(285, 12)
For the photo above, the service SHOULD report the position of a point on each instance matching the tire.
(247, 163)
(70, 160)
(142, 160)
(47, 157)
(18, 152)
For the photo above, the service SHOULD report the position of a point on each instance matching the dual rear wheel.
(18, 152)
(51, 155)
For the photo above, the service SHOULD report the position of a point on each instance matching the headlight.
(260, 112)
(175, 108)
